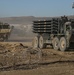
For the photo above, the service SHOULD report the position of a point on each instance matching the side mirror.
(12, 27)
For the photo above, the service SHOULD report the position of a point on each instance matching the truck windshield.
(5, 26)
(0, 26)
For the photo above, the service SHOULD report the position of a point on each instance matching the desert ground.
(44, 62)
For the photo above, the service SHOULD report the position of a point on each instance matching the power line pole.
(73, 5)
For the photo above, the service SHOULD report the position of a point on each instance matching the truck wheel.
(35, 42)
(41, 43)
(55, 43)
(63, 44)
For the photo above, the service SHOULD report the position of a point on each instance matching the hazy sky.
(41, 8)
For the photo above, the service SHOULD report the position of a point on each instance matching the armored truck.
(57, 32)
(5, 31)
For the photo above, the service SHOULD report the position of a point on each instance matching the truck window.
(5, 26)
(0, 26)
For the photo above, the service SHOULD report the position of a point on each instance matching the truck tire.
(35, 42)
(63, 44)
(55, 43)
(41, 43)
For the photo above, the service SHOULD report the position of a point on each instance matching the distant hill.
(21, 20)
(24, 19)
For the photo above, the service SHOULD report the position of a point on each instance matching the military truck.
(57, 32)
(5, 31)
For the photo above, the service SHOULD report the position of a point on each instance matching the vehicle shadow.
(70, 49)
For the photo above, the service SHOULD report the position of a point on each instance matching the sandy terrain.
(50, 63)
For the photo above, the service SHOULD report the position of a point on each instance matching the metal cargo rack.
(46, 26)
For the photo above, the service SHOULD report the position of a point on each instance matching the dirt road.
(51, 63)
